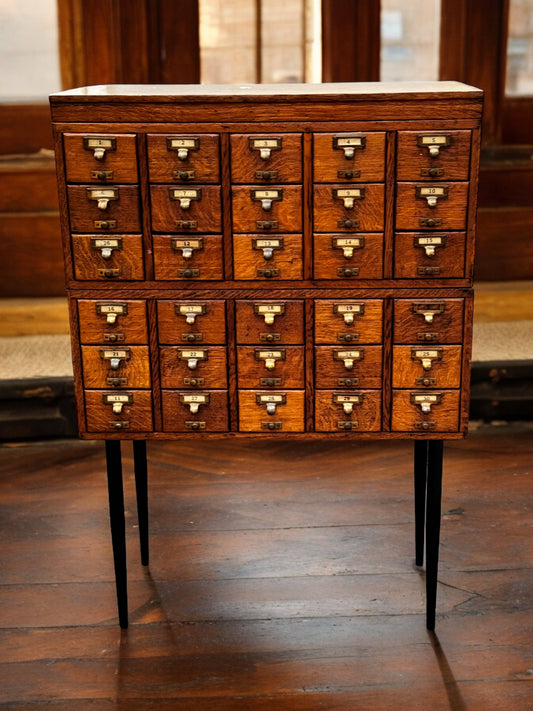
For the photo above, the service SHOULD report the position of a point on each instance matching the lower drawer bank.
(330, 363)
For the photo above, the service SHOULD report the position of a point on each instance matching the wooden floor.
(281, 579)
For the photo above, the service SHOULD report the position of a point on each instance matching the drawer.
(100, 158)
(421, 367)
(349, 209)
(183, 158)
(190, 322)
(349, 157)
(425, 410)
(188, 257)
(112, 208)
(348, 256)
(112, 321)
(115, 366)
(439, 255)
(118, 411)
(193, 367)
(270, 366)
(267, 257)
(267, 209)
(428, 320)
(193, 209)
(414, 211)
(266, 158)
(271, 411)
(270, 321)
(349, 367)
(348, 321)
(108, 257)
(431, 155)
(342, 411)
(203, 411)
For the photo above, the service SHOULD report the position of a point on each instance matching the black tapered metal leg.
(118, 525)
(433, 516)
(420, 482)
(141, 487)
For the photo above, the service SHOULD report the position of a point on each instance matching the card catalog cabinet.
(270, 260)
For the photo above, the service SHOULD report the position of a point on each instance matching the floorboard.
(281, 577)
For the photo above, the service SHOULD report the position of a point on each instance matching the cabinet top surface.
(360, 91)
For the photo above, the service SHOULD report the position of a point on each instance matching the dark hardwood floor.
(281, 578)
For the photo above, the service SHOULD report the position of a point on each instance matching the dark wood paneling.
(350, 40)
(504, 245)
(473, 49)
(31, 255)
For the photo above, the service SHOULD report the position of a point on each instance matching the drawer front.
(266, 158)
(183, 158)
(108, 257)
(267, 257)
(260, 367)
(191, 322)
(419, 367)
(118, 411)
(349, 157)
(428, 320)
(203, 411)
(270, 321)
(276, 411)
(112, 321)
(340, 411)
(193, 367)
(414, 212)
(188, 257)
(118, 214)
(441, 415)
(334, 210)
(192, 209)
(100, 158)
(348, 256)
(349, 367)
(280, 212)
(433, 155)
(349, 321)
(115, 366)
(422, 255)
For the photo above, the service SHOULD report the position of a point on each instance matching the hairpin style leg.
(118, 525)
(141, 486)
(433, 516)
(421, 473)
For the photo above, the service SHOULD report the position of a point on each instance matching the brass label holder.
(116, 356)
(434, 142)
(267, 245)
(190, 310)
(117, 401)
(99, 145)
(269, 311)
(187, 246)
(349, 357)
(183, 145)
(193, 357)
(348, 245)
(349, 311)
(431, 193)
(429, 243)
(426, 356)
(266, 197)
(269, 357)
(111, 311)
(349, 144)
(425, 401)
(185, 196)
(194, 400)
(271, 401)
(429, 310)
(106, 245)
(103, 196)
(348, 196)
(265, 145)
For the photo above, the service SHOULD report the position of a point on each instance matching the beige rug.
(23, 357)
